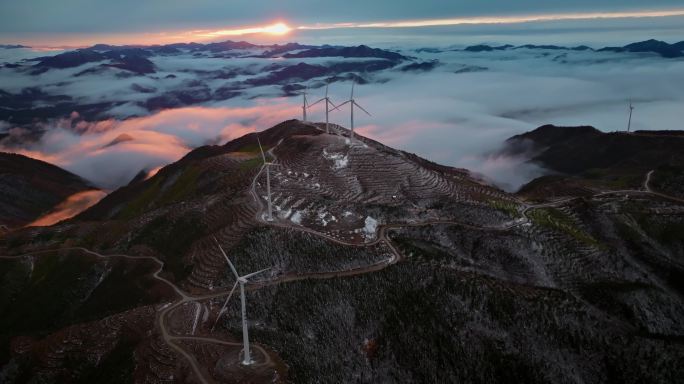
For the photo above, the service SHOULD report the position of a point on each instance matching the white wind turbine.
(267, 165)
(242, 280)
(629, 122)
(328, 102)
(352, 103)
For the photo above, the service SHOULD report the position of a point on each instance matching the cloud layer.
(97, 152)
(457, 114)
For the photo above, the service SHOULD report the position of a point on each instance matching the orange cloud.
(95, 151)
(70, 207)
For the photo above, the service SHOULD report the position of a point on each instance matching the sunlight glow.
(277, 29)
(498, 19)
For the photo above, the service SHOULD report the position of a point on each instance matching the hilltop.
(385, 267)
(584, 157)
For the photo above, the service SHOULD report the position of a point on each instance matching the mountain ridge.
(375, 255)
(658, 47)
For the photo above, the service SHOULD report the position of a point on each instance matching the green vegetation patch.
(142, 202)
(558, 221)
(253, 148)
(251, 163)
(506, 207)
(183, 187)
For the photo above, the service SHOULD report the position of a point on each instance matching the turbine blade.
(232, 267)
(340, 106)
(357, 104)
(326, 90)
(317, 101)
(352, 93)
(263, 157)
(255, 273)
(225, 303)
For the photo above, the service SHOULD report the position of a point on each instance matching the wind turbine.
(267, 164)
(631, 108)
(242, 280)
(352, 103)
(327, 108)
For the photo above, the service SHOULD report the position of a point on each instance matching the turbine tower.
(629, 122)
(267, 165)
(328, 102)
(242, 280)
(305, 105)
(352, 103)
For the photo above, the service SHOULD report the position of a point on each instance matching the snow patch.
(284, 214)
(339, 160)
(325, 217)
(370, 228)
(297, 218)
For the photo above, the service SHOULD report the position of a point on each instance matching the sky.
(84, 22)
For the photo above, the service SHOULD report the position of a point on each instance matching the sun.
(277, 29)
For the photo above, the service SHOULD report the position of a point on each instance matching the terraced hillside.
(385, 267)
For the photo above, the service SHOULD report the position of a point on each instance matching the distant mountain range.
(145, 79)
(649, 46)
(135, 58)
(242, 67)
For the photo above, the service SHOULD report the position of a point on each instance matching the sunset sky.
(84, 22)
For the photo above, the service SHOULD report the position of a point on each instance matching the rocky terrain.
(385, 267)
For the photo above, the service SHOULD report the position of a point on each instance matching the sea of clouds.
(458, 114)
